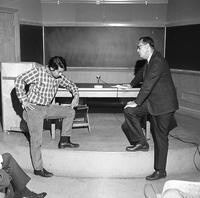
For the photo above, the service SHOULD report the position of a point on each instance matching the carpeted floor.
(106, 136)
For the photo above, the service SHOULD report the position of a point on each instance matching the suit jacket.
(158, 89)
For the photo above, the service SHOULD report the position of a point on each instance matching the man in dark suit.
(13, 179)
(157, 98)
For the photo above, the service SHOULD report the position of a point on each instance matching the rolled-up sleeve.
(68, 84)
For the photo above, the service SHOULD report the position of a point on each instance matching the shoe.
(43, 173)
(138, 147)
(157, 175)
(62, 145)
(35, 195)
(66, 142)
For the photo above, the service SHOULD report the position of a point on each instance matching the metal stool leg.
(53, 131)
(148, 130)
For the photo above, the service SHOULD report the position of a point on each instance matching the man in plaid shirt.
(43, 84)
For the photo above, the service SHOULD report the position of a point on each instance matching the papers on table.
(120, 86)
(98, 86)
(66, 105)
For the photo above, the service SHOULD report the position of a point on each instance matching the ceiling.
(106, 1)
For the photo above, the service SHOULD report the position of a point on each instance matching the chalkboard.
(98, 46)
(31, 43)
(183, 47)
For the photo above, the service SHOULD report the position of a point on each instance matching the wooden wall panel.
(188, 90)
(9, 36)
(11, 107)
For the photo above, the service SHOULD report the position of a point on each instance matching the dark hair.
(147, 39)
(56, 62)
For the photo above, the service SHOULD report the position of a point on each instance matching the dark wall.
(31, 43)
(98, 46)
(183, 47)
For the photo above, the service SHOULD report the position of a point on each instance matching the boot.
(66, 143)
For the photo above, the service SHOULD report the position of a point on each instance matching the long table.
(107, 91)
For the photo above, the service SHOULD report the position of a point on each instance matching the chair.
(2, 195)
(81, 119)
(147, 131)
(54, 120)
(181, 188)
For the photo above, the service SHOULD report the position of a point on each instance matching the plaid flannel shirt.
(42, 86)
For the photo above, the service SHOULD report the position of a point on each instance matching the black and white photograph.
(99, 98)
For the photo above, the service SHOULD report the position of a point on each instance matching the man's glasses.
(139, 47)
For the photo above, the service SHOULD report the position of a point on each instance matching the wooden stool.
(81, 119)
(53, 120)
(146, 128)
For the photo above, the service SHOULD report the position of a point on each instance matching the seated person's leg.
(19, 178)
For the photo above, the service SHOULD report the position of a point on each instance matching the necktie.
(145, 70)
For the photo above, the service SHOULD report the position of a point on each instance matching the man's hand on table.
(130, 104)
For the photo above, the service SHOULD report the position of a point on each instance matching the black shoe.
(27, 193)
(138, 147)
(67, 144)
(43, 173)
(157, 175)
(35, 195)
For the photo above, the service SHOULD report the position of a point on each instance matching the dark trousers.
(160, 127)
(19, 178)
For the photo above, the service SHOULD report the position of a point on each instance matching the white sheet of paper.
(120, 87)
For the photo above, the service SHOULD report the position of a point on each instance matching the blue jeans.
(35, 119)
